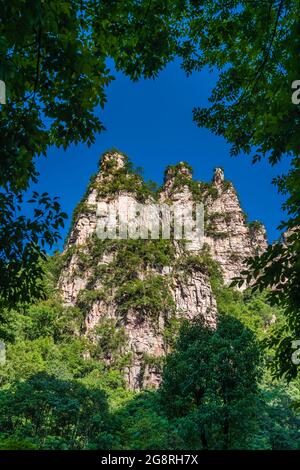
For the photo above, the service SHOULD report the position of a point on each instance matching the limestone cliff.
(229, 236)
(148, 286)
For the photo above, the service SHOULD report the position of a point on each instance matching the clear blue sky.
(151, 121)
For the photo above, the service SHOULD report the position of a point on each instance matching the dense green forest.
(58, 390)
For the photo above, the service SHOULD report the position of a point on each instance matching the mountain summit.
(146, 288)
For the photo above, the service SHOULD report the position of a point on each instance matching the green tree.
(254, 46)
(140, 424)
(22, 243)
(53, 413)
(210, 384)
(53, 60)
(279, 420)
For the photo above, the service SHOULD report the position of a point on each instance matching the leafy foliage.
(62, 389)
(254, 46)
(212, 377)
(55, 413)
(278, 270)
(54, 64)
(22, 242)
(150, 296)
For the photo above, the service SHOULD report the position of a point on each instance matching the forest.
(54, 395)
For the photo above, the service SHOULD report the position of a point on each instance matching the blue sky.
(151, 121)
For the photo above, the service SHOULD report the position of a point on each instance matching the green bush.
(149, 297)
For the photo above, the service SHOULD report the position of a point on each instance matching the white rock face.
(193, 298)
(230, 238)
(230, 241)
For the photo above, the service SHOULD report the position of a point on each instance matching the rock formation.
(148, 286)
(229, 236)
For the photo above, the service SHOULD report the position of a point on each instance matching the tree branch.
(266, 56)
(37, 73)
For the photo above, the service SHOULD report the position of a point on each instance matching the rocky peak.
(173, 171)
(218, 178)
(177, 183)
(112, 161)
(145, 286)
(231, 238)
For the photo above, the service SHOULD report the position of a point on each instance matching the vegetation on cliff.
(63, 385)
(56, 81)
(60, 389)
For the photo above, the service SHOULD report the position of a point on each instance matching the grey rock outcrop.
(230, 237)
(227, 234)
